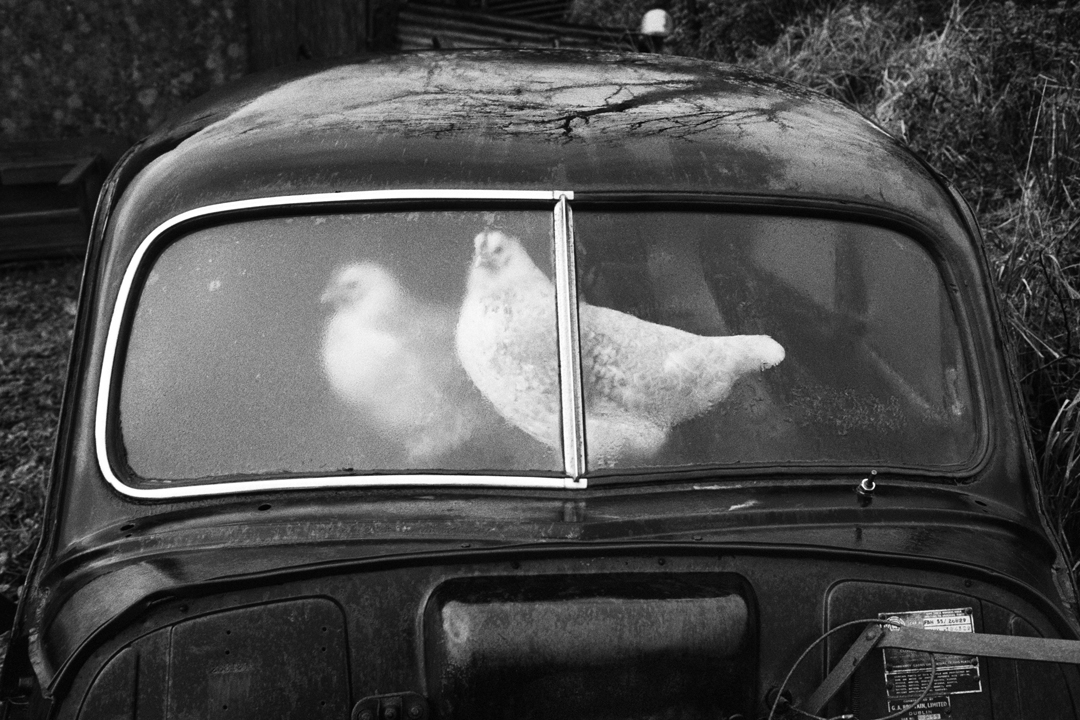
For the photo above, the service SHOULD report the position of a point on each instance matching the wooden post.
(286, 31)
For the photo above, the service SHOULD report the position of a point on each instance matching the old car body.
(361, 419)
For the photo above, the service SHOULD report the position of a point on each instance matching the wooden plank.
(32, 173)
(48, 192)
(62, 216)
(78, 172)
(281, 32)
(328, 28)
(62, 237)
(272, 33)
(380, 24)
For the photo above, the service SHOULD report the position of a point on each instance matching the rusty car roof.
(527, 120)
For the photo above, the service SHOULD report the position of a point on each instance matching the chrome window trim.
(573, 403)
(108, 366)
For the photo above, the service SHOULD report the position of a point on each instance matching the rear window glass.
(758, 339)
(397, 342)
(321, 345)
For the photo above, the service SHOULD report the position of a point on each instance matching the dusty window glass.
(714, 338)
(329, 344)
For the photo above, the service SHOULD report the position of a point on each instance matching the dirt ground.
(37, 314)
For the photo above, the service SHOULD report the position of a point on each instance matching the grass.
(990, 95)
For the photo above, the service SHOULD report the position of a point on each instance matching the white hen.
(640, 378)
(390, 356)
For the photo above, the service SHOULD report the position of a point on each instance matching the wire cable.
(898, 713)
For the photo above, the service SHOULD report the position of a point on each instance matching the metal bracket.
(395, 706)
(844, 669)
(1003, 646)
(936, 641)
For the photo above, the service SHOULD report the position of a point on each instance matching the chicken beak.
(486, 246)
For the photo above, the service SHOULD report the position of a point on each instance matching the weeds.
(990, 95)
(1035, 253)
(1061, 464)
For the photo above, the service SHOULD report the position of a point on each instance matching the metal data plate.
(907, 672)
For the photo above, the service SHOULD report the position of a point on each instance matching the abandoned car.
(537, 384)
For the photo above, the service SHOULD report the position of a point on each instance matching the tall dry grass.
(989, 95)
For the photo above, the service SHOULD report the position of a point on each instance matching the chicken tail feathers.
(707, 370)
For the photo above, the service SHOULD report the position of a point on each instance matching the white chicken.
(640, 379)
(390, 356)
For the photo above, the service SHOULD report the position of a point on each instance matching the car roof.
(527, 120)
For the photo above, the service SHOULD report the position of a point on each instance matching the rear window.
(871, 370)
(429, 341)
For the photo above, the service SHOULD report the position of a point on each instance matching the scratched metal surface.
(527, 119)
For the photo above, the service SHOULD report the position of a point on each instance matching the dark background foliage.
(117, 67)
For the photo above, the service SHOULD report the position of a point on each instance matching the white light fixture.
(656, 23)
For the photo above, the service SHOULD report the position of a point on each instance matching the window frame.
(108, 444)
(947, 260)
(106, 427)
